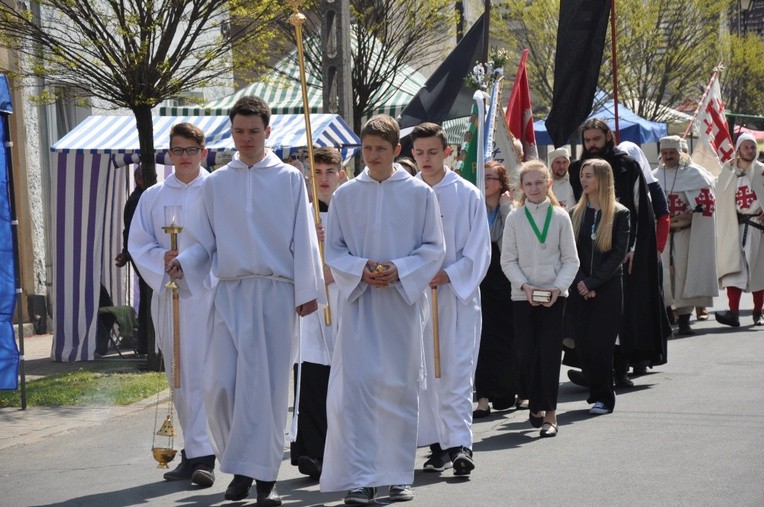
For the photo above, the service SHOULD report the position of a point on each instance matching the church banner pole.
(615, 71)
(436, 331)
(297, 19)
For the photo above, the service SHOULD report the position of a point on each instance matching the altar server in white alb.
(689, 265)
(740, 216)
(150, 249)
(254, 230)
(445, 406)
(317, 337)
(384, 244)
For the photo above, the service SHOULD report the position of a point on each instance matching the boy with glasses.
(149, 247)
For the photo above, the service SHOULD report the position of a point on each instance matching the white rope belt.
(246, 277)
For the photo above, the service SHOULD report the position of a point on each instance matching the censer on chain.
(165, 454)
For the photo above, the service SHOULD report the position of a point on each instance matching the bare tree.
(134, 53)
(387, 34)
(131, 53)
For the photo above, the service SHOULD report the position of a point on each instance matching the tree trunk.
(145, 127)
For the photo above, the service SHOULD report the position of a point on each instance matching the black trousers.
(538, 340)
(311, 422)
(145, 326)
(597, 322)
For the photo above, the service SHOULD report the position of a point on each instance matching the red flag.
(520, 111)
(714, 146)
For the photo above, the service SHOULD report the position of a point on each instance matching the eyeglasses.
(193, 150)
(492, 178)
(294, 157)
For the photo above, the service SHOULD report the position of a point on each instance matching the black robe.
(496, 375)
(645, 327)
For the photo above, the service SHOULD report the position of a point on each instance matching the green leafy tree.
(666, 50)
(742, 80)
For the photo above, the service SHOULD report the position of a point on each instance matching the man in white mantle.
(689, 263)
(384, 243)
(149, 248)
(739, 245)
(445, 407)
(252, 227)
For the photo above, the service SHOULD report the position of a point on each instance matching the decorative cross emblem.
(706, 199)
(675, 203)
(744, 197)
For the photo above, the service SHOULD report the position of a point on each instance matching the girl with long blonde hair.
(602, 235)
(538, 256)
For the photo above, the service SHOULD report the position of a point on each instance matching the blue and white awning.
(89, 187)
(114, 135)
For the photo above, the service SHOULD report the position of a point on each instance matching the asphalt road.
(691, 432)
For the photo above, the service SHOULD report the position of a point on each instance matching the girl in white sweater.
(539, 257)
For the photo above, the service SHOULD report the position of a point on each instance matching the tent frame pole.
(17, 271)
(615, 71)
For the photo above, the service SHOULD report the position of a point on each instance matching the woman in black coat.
(601, 226)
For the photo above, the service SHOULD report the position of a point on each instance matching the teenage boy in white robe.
(317, 337)
(149, 247)
(253, 228)
(384, 243)
(445, 407)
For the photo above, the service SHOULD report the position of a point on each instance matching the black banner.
(577, 62)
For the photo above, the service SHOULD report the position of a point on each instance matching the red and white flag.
(714, 146)
(520, 112)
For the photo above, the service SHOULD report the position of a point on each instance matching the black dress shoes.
(503, 403)
(728, 318)
(267, 496)
(623, 381)
(203, 476)
(309, 466)
(684, 326)
(578, 378)
(238, 489)
(480, 413)
(183, 471)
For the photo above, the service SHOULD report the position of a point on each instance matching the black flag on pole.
(444, 96)
(577, 62)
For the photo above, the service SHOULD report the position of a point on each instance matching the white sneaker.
(599, 408)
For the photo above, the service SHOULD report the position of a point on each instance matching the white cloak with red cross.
(747, 198)
(691, 187)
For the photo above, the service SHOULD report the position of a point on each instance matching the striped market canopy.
(119, 135)
(89, 187)
(283, 92)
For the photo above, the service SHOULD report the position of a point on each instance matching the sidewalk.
(22, 427)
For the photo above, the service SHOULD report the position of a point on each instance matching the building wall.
(28, 187)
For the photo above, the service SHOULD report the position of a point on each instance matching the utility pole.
(335, 44)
